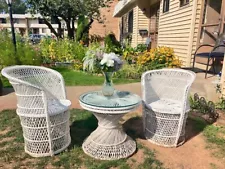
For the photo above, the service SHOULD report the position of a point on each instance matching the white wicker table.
(109, 141)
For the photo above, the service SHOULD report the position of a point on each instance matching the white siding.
(143, 23)
(175, 29)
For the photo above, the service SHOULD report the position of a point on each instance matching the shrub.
(200, 105)
(140, 48)
(25, 54)
(112, 45)
(96, 38)
(80, 34)
(158, 58)
(94, 53)
(7, 53)
(130, 54)
(63, 51)
(129, 72)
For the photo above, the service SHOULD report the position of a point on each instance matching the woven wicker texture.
(109, 141)
(42, 108)
(165, 105)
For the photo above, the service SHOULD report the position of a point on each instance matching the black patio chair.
(217, 52)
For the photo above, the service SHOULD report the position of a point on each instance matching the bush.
(112, 45)
(7, 53)
(129, 72)
(63, 51)
(96, 38)
(81, 24)
(130, 55)
(26, 54)
(158, 58)
(140, 48)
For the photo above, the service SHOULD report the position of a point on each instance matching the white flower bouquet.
(110, 62)
(96, 59)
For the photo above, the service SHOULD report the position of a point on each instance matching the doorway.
(212, 21)
(154, 24)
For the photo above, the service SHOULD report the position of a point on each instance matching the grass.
(79, 78)
(82, 124)
(75, 78)
(214, 135)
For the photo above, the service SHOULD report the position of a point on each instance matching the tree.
(19, 7)
(69, 11)
(82, 22)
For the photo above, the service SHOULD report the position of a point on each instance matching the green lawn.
(82, 124)
(76, 78)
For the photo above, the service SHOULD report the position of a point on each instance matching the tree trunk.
(59, 27)
(70, 30)
(51, 28)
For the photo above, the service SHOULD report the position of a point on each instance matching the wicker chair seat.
(167, 106)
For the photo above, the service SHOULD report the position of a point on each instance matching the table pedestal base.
(108, 141)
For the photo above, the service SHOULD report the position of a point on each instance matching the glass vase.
(108, 89)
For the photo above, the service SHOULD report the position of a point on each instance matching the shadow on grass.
(194, 126)
(83, 124)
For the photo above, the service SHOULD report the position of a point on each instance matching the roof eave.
(123, 7)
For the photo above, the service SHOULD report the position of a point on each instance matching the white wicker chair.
(42, 108)
(165, 105)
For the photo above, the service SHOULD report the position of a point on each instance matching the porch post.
(223, 79)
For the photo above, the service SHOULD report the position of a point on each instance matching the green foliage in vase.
(93, 54)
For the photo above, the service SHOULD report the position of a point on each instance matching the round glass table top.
(120, 99)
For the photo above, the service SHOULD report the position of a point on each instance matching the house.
(26, 24)
(107, 24)
(180, 24)
(132, 20)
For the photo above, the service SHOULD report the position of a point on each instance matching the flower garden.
(68, 52)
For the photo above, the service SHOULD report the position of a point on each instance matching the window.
(130, 22)
(16, 21)
(3, 20)
(184, 2)
(166, 4)
(41, 21)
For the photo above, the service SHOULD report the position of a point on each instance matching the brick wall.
(110, 23)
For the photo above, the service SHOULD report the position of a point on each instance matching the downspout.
(191, 37)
